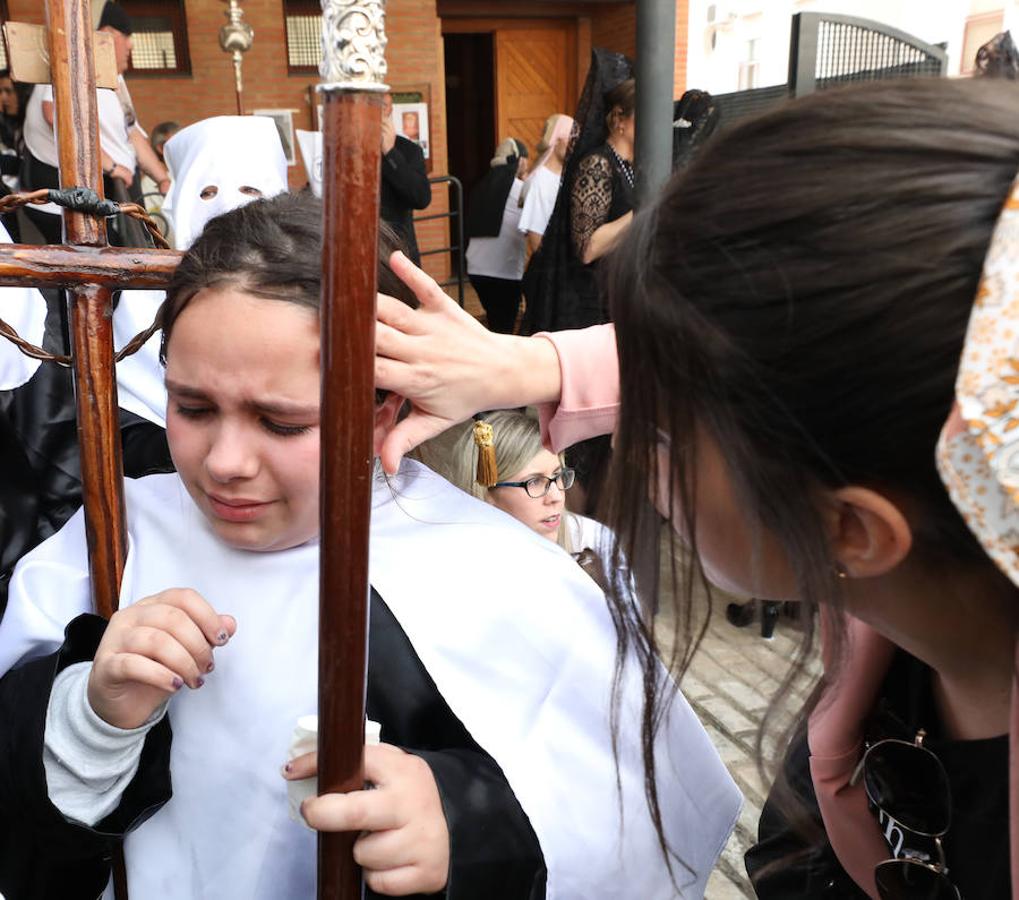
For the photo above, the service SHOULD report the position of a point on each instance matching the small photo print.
(411, 121)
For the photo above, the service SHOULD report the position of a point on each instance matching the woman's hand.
(150, 650)
(405, 849)
(449, 366)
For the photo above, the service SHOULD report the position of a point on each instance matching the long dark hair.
(268, 248)
(801, 293)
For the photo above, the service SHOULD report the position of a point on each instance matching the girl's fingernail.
(288, 768)
(222, 637)
(199, 682)
(210, 667)
(178, 683)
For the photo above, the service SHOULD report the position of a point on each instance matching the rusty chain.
(81, 200)
(62, 359)
(85, 200)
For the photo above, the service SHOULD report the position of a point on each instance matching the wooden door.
(535, 76)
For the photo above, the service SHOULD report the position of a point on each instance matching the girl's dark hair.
(620, 102)
(801, 293)
(268, 248)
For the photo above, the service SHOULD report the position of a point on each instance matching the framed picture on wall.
(284, 119)
(412, 107)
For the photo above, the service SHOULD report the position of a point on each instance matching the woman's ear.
(869, 534)
(386, 414)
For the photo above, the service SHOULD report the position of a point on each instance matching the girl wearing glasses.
(532, 481)
(790, 320)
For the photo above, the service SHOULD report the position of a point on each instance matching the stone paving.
(730, 682)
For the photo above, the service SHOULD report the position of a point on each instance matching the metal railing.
(456, 247)
(826, 50)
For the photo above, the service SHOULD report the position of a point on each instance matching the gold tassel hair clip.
(484, 440)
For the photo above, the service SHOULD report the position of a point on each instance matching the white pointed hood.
(231, 153)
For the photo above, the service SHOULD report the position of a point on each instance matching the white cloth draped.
(516, 637)
(24, 309)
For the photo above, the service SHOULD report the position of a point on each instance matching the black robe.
(405, 188)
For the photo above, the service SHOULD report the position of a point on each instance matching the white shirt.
(540, 201)
(502, 256)
(41, 140)
(114, 134)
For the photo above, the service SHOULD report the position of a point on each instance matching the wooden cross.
(90, 270)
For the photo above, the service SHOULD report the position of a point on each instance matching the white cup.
(305, 740)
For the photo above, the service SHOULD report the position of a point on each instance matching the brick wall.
(682, 42)
(615, 26)
(414, 55)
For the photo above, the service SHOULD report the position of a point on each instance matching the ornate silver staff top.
(353, 46)
(235, 38)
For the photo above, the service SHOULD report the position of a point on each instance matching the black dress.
(792, 859)
(561, 290)
(601, 192)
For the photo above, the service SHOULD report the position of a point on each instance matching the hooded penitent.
(215, 165)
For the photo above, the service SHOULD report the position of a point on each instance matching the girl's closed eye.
(193, 412)
(282, 430)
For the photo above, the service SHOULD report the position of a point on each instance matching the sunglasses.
(909, 787)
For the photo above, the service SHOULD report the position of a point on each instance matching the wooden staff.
(353, 40)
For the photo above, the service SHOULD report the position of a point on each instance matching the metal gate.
(826, 50)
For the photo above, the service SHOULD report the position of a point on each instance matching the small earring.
(840, 570)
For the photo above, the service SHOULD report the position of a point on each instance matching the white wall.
(768, 23)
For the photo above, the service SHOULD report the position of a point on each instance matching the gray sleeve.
(88, 762)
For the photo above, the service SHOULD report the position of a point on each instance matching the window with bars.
(303, 19)
(160, 41)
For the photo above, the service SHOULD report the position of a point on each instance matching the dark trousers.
(500, 298)
(36, 174)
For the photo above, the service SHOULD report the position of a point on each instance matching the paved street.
(729, 684)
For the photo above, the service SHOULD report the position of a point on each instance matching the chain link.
(80, 198)
(62, 359)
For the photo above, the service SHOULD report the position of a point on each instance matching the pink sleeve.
(589, 402)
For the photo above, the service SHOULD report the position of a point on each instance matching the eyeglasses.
(909, 787)
(538, 486)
